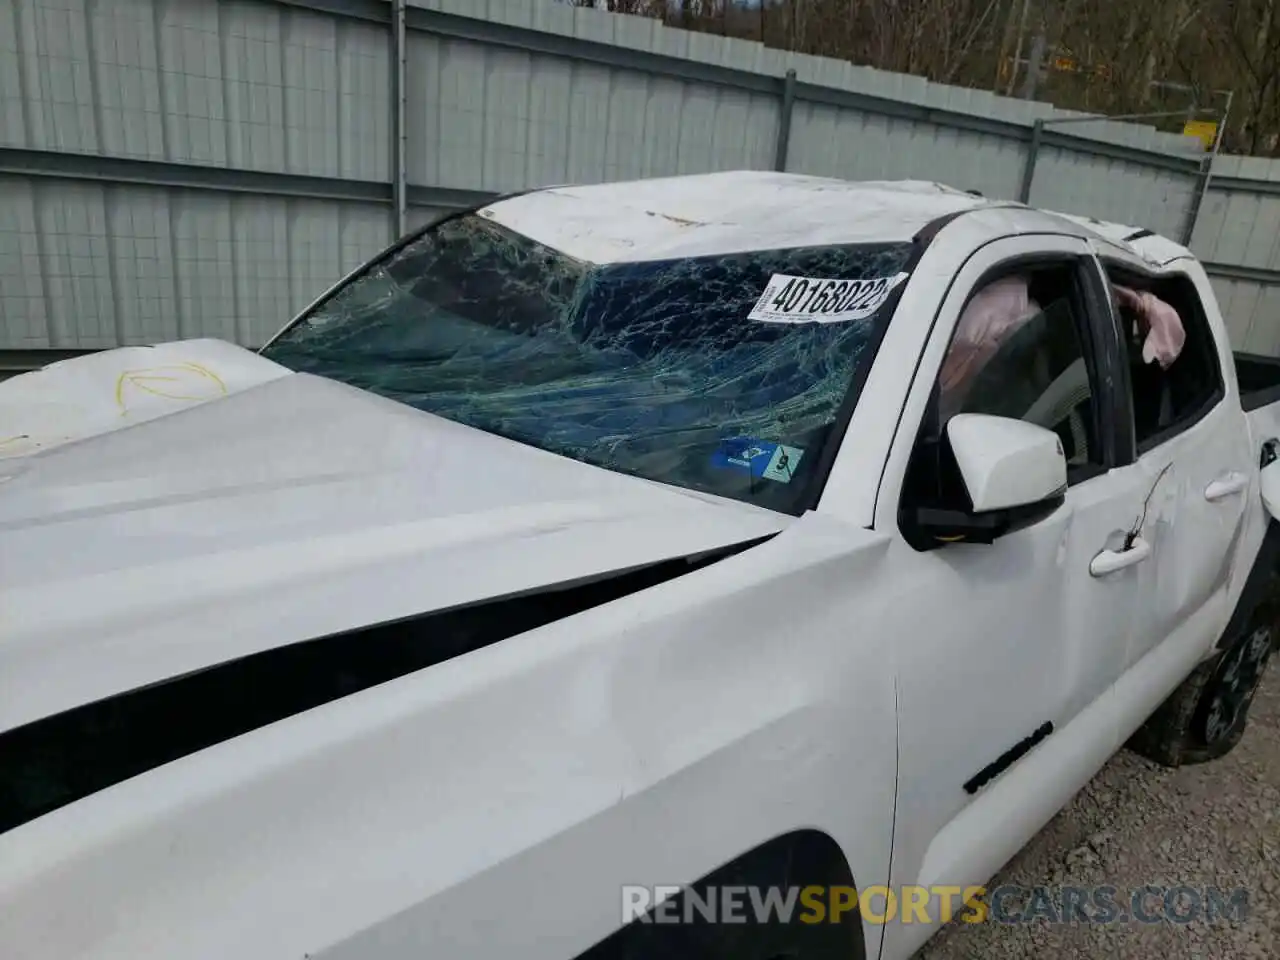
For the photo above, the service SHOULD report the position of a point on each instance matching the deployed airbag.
(1165, 335)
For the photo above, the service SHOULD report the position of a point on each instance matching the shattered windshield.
(723, 374)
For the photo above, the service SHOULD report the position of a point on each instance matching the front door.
(1006, 652)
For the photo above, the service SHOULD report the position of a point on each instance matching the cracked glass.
(652, 369)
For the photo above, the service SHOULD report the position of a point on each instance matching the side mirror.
(1269, 480)
(992, 475)
(1006, 464)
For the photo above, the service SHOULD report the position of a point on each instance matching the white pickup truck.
(608, 536)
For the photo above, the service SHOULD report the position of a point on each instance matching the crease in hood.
(293, 508)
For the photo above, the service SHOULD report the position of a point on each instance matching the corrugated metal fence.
(178, 168)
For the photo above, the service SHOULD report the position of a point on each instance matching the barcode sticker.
(788, 299)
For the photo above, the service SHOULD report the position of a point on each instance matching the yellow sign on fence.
(1205, 130)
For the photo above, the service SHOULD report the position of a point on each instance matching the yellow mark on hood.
(189, 382)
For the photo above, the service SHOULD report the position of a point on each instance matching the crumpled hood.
(288, 509)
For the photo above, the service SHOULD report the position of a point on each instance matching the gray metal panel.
(461, 115)
(245, 84)
(816, 147)
(550, 83)
(310, 82)
(71, 234)
(86, 264)
(420, 216)
(1111, 189)
(126, 79)
(1204, 240)
(1264, 332)
(490, 97)
(498, 119)
(1241, 316)
(364, 102)
(54, 70)
(24, 320)
(203, 265)
(422, 109)
(260, 241)
(191, 82)
(12, 105)
(254, 88)
(143, 262)
(1250, 304)
(1260, 249)
(1224, 289)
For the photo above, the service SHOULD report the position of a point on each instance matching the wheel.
(1224, 709)
(1205, 717)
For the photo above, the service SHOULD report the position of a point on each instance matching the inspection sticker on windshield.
(789, 299)
(760, 458)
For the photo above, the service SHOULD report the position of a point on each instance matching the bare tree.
(1108, 56)
(1245, 35)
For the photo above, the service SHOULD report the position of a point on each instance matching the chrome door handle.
(1226, 486)
(1109, 561)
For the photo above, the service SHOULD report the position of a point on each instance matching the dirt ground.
(1217, 824)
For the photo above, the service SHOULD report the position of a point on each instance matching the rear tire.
(1205, 718)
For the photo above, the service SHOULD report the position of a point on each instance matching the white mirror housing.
(1006, 463)
(1269, 480)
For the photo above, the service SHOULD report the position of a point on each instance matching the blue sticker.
(760, 458)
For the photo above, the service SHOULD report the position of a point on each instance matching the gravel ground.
(1216, 824)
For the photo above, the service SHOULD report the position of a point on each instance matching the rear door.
(1194, 453)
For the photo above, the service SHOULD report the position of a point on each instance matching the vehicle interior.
(1039, 374)
(1038, 371)
(1166, 402)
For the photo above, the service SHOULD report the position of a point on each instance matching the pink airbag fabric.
(1165, 333)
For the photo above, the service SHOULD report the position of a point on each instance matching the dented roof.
(719, 213)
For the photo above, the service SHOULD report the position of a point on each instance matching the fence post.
(784, 121)
(398, 191)
(1033, 152)
(1206, 174)
(1197, 198)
